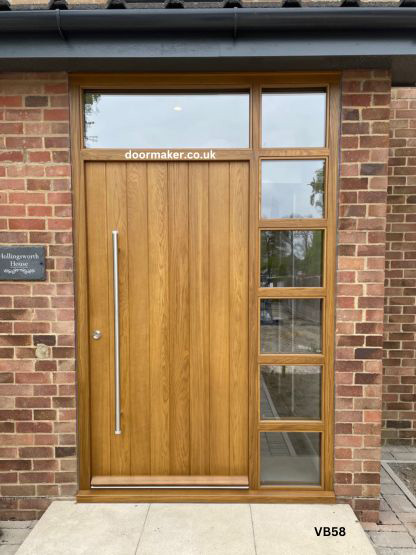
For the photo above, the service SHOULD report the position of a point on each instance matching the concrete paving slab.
(8, 549)
(411, 528)
(407, 517)
(17, 524)
(385, 478)
(388, 517)
(68, 528)
(391, 489)
(390, 551)
(392, 539)
(399, 503)
(290, 530)
(13, 535)
(392, 528)
(384, 506)
(405, 456)
(197, 529)
(194, 529)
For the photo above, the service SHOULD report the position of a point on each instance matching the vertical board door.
(183, 233)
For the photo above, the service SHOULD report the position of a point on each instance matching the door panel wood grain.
(183, 278)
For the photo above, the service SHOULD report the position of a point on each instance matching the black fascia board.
(245, 39)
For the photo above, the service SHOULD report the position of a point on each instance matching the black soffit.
(226, 35)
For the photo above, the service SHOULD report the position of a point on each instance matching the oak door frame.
(252, 82)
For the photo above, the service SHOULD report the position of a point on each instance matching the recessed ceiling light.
(178, 108)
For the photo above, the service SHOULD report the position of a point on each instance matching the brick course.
(399, 383)
(37, 378)
(360, 288)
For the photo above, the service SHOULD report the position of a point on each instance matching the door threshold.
(183, 495)
(169, 482)
(169, 487)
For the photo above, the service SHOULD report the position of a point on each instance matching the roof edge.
(260, 20)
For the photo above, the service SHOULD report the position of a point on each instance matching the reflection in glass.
(290, 326)
(290, 458)
(290, 392)
(171, 120)
(293, 119)
(292, 188)
(291, 258)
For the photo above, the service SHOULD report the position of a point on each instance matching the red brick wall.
(399, 384)
(37, 403)
(360, 287)
(37, 396)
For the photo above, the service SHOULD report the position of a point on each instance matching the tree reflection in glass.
(291, 258)
(292, 189)
(290, 392)
(291, 326)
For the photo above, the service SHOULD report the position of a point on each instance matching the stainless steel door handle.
(117, 429)
(96, 334)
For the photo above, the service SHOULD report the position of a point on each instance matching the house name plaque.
(22, 263)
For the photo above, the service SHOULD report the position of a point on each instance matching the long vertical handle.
(117, 429)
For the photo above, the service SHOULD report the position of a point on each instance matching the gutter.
(250, 20)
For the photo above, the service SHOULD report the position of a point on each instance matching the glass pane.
(293, 119)
(171, 120)
(292, 188)
(290, 326)
(291, 258)
(290, 458)
(290, 392)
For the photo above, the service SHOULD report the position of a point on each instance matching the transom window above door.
(293, 119)
(167, 120)
(203, 119)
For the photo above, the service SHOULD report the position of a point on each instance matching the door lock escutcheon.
(96, 334)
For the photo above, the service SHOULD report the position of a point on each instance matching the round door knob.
(96, 334)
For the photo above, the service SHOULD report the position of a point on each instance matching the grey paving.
(13, 533)
(290, 529)
(197, 529)
(68, 528)
(392, 539)
(395, 533)
(203, 529)
(8, 549)
(388, 517)
(26, 524)
(399, 503)
(392, 489)
(389, 551)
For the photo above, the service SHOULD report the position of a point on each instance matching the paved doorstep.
(68, 528)
(185, 527)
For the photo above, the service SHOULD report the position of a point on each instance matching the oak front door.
(205, 209)
(168, 289)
